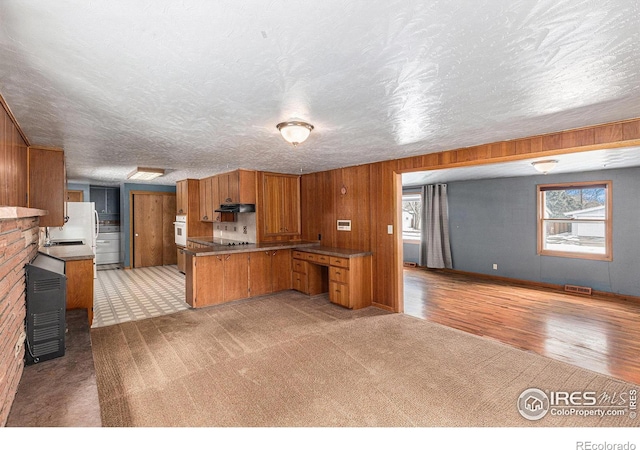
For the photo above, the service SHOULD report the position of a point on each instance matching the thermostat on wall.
(344, 225)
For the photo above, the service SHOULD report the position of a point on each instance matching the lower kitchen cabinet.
(215, 279)
(269, 271)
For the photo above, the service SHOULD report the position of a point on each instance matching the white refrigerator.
(82, 224)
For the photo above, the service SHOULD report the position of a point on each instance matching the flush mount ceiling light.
(145, 174)
(545, 166)
(295, 132)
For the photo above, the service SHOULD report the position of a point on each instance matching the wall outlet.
(319, 236)
(495, 267)
(235, 229)
(225, 227)
(244, 229)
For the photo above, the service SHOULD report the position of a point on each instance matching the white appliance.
(82, 224)
(181, 230)
(108, 245)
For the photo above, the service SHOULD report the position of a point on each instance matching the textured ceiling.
(197, 87)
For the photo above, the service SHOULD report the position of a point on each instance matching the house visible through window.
(411, 216)
(574, 220)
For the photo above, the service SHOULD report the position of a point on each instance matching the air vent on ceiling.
(577, 289)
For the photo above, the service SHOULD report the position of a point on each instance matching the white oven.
(181, 230)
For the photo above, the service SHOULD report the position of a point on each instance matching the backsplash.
(235, 230)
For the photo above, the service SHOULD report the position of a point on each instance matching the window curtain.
(435, 249)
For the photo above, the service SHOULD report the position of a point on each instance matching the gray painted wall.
(494, 221)
(411, 252)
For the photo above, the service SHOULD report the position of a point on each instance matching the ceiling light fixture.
(295, 132)
(545, 166)
(145, 174)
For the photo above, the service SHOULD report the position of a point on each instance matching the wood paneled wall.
(13, 160)
(373, 191)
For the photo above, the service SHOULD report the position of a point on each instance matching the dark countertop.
(216, 249)
(68, 252)
(334, 251)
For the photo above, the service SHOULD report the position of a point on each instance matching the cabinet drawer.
(340, 262)
(300, 282)
(311, 257)
(339, 293)
(299, 255)
(339, 274)
(299, 266)
(322, 259)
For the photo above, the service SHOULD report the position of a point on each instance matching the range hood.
(237, 208)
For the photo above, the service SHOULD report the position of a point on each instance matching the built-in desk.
(344, 273)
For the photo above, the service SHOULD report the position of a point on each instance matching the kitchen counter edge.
(251, 248)
(68, 253)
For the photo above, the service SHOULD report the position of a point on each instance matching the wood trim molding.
(625, 133)
(14, 120)
(385, 307)
(539, 284)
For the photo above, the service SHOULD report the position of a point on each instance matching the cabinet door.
(181, 259)
(113, 200)
(272, 204)
(236, 276)
(223, 186)
(97, 195)
(233, 188)
(260, 273)
(206, 202)
(291, 205)
(47, 184)
(215, 198)
(281, 272)
(181, 201)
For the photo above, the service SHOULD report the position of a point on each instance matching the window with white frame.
(411, 216)
(574, 220)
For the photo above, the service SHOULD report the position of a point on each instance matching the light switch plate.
(389, 229)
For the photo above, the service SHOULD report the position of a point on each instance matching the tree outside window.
(411, 216)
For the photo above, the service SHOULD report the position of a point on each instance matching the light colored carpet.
(126, 295)
(288, 360)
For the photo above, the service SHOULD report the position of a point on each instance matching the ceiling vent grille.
(577, 289)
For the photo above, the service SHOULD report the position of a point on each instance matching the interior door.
(148, 230)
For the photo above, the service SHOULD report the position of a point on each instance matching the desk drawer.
(300, 282)
(339, 294)
(339, 274)
(322, 259)
(299, 255)
(340, 262)
(299, 266)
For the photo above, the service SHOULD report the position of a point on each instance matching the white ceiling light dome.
(545, 166)
(295, 132)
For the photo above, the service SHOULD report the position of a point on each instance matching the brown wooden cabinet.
(279, 205)
(308, 278)
(182, 196)
(216, 279)
(47, 184)
(349, 279)
(206, 199)
(80, 285)
(234, 187)
(269, 271)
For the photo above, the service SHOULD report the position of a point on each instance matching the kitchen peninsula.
(220, 272)
(78, 267)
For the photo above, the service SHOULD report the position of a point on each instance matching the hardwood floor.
(600, 334)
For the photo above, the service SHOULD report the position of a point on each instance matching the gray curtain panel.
(435, 247)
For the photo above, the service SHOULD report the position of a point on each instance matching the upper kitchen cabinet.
(106, 198)
(189, 193)
(238, 186)
(47, 184)
(279, 206)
